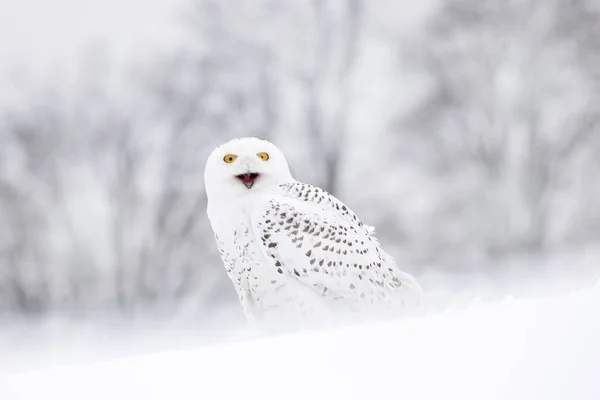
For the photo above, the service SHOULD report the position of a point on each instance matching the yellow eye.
(263, 155)
(229, 158)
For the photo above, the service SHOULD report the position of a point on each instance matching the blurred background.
(466, 131)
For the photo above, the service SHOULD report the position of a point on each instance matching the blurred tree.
(328, 83)
(513, 106)
(27, 187)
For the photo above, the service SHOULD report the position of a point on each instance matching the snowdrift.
(514, 349)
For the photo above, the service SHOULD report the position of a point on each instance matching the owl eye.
(263, 155)
(229, 158)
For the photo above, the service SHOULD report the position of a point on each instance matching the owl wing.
(309, 234)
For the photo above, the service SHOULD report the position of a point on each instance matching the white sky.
(42, 34)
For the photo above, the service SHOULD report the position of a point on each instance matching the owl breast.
(271, 297)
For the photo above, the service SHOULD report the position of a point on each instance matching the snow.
(536, 348)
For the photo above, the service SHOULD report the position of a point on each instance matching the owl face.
(245, 165)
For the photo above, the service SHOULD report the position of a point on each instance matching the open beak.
(248, 179)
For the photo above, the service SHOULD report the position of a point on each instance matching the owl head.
(244, 166)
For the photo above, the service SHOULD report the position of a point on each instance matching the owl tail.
(412, 291)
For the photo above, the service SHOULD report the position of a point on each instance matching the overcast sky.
(43, 34)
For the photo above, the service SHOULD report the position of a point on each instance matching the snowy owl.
(295, 253)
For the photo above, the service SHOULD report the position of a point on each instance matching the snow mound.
(514, 349)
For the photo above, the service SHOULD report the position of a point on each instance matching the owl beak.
(248, 179)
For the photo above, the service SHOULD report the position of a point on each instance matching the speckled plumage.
(294, 252)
